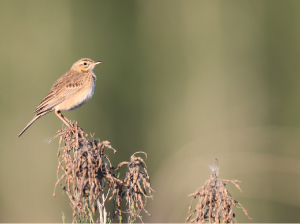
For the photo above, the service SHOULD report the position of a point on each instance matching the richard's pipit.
(69, 92)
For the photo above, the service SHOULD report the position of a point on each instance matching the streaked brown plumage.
(69, 92)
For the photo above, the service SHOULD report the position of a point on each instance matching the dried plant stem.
(215, 202)
(85, 171)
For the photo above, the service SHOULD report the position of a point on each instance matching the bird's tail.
(37, 116)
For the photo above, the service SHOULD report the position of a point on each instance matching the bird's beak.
(98, 62)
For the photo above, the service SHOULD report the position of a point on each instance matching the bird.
(69, 92)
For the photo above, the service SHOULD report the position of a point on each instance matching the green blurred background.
(184, 81)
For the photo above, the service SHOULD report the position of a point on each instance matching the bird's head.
(84, 65)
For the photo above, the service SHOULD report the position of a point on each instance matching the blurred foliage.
(183, 81)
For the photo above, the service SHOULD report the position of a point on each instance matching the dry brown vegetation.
(215, 203)
(89, 179)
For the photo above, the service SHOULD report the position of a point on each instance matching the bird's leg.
(63, 118)
(66, 119)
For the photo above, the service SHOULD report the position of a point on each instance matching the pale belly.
(78, 99)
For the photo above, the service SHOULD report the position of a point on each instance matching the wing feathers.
(64, 88)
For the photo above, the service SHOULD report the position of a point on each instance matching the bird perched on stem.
(69, 92)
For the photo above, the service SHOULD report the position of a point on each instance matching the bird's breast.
(79, 98)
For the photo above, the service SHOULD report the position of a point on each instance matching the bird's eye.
(84, 63)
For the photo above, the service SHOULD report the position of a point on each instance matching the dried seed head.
(212, 197)
(86, 171)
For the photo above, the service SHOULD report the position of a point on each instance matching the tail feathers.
(33, 120)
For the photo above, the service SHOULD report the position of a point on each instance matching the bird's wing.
(65, 87)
